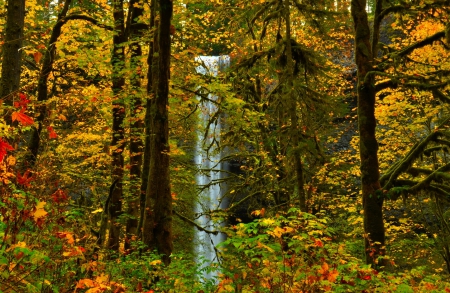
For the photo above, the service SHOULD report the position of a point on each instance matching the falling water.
(210, 166)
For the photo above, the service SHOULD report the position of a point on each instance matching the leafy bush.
(295, 252)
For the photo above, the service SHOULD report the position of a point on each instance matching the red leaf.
(22, 103)
(25, 179)
(59, 196)
(24, 119)
(318, 243)
(51, 132)
(4, 147)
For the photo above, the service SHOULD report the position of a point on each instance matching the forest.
(224, 146)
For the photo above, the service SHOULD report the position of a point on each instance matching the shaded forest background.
(331, 125)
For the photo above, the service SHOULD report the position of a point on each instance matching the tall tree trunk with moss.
(368, 146)
(152, 62)
(137, 125)
(118, 108)
(158, 232)
(292, 108)
(10, 80)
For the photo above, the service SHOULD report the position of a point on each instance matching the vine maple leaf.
(59, 196)
(23, 101)
(25, 179)
(23, 118)
(4, 147)
(51, 132)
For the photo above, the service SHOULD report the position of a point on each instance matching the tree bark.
(11, 63)
(159, 199)
(292, 106)
(118, 108)
(368, 146)
(137, 125)
(152, 62)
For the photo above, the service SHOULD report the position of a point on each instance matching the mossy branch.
(429, 151)
(409, 49)
(417, 171)
(440, 96)
(433, 176)
(407, 162)
(392, 9)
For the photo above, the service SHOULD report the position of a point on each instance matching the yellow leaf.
(40, 205)
(11, 161)
(19, 244)
(102, 279)
(40, 212)
(277, 232)
(155, 262)
(97, 211)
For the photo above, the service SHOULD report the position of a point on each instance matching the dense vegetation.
(328, 134)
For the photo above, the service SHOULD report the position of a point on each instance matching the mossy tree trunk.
(137, 125)
(157, 226)
(292, 106)
(10, 80)
(152, 62)
(118, 108)
(368, 146)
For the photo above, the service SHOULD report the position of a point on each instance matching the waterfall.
(210, 166)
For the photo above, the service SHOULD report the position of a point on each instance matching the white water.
(209, 164)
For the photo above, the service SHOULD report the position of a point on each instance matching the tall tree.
(292, 106)
(374, 59)
(11, 62)
(136, 28)
(118, 136)
(368, 145)
(157, 226)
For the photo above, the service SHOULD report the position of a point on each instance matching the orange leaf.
(37, 56)
(85, 283)
(22, 118)
(25, 179)
(332, 276)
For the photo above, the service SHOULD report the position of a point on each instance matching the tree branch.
(189, 221)
(87, 18)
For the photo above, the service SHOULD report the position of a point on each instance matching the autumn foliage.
(326, 136)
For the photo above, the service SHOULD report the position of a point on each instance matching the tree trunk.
(152, 62)
(42, 87)
(117, 142)
(368, 146)
(292, 106)
(159, 199)
(10, 80)
(137, 126)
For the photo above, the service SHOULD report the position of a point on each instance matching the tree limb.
(189, 221)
